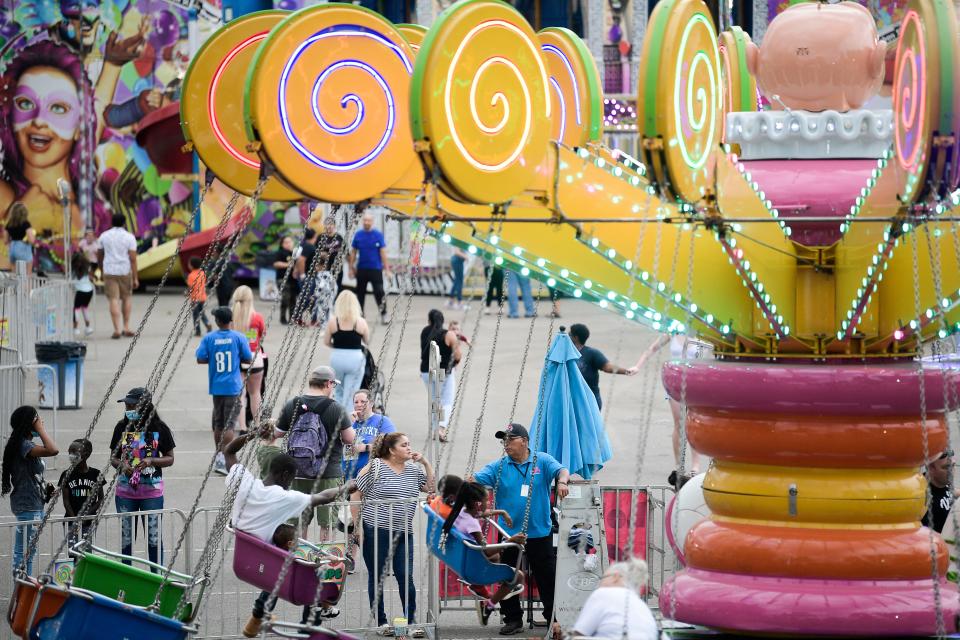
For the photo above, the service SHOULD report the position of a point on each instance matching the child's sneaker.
(517, 590)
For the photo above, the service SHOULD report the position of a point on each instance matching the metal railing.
(17, 388)
(228, 601)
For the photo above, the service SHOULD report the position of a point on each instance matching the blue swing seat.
(90, 616)
(464, 556)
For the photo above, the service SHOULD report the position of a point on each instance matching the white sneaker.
(88, 331)
(76, 332)
(385, 319)
(220, 465)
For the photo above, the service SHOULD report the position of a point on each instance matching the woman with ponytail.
(391, 483)
(23, 475)
(465, 516)
(615, 610)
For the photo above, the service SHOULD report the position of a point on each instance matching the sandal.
(128, 334)
(115, 336)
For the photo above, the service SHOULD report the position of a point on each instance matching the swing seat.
(84, 615)
(465, 557)
(97, 572)
(306, 632)
(259, 563)
(25, 593)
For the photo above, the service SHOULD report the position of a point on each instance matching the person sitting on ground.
(261, 506)
(285, 537)
(465, 516)
(615, 610)
(84, 481)
(449, 487)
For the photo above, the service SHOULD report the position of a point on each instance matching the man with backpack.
(318, 428)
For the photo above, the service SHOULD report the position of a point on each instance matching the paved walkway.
(186, 405)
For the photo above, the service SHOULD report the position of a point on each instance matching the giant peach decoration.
(817, 56)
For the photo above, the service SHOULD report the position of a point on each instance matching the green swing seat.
(104, 572)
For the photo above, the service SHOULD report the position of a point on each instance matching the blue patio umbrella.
(567, 422)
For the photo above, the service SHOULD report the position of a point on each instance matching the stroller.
(373, 380)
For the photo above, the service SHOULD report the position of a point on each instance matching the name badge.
(524, 490)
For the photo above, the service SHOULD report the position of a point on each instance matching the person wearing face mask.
(22, 476)
(76, 488)
(141, 447)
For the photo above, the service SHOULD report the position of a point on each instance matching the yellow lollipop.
(414, 33)
(480, 98)
(211, 108)
(575, 87)
(327, 98)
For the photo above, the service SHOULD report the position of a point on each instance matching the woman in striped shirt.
(391, 483)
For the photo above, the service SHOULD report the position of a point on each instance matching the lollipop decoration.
(739, 87)
(212, 109)
(575, 87)
(330, 108)
(926, 118)
(480, 97)
(680, 98)
(414, 33)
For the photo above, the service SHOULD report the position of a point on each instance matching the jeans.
(375, 278)
(199, 315)
(349, 365)
(446, 394)
(22, 539)
(456, 288)
(154, 543)
(515, 280)
(376, 546)
(542, 558)
(20, 251)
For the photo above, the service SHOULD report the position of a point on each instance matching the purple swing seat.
(259, 563)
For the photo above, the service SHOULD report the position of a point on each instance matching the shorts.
(81, 299)
(20, 251)
(118, 286)
(226, 410)
(326, 516)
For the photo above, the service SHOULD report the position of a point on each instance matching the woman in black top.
(329, 246)
(20, 235)
(346, 333)
(449, 345)
(22, 475)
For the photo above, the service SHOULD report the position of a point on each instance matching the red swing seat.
(259, 563)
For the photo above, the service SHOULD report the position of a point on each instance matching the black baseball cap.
(513, 430)
(223, 315)
(135, 395)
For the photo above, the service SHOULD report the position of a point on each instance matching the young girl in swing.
(469, 508)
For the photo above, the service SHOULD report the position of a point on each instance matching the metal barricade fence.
(650, 543)
(17, 388)
(228, 601)
(108, 536)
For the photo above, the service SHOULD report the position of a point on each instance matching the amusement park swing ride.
(816, 246)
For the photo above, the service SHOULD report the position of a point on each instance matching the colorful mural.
(76, 79)
(886, 12)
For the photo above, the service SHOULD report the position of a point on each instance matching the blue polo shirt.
(511, 495)
(368, 245)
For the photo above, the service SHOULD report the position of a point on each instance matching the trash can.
(66, 360)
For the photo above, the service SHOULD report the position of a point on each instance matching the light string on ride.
(924, 438)
(458, 402)
(34, 541)
(285, 360)
(631, 287)
(146, 416)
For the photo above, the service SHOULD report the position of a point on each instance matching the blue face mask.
(132, 415)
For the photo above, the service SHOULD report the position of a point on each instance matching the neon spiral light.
(701, 97)
(549, 48)
(910, 120)
(349, 98)
(497, 97)
(563, 105)
(235, 153)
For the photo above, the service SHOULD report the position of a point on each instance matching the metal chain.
(31, 549)
(921, 384)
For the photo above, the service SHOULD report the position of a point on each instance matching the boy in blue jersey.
(223, 351)
(367, 262)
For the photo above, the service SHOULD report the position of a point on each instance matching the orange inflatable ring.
(814, 441)
(791, 552)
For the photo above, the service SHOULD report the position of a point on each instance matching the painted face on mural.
(46, 116)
